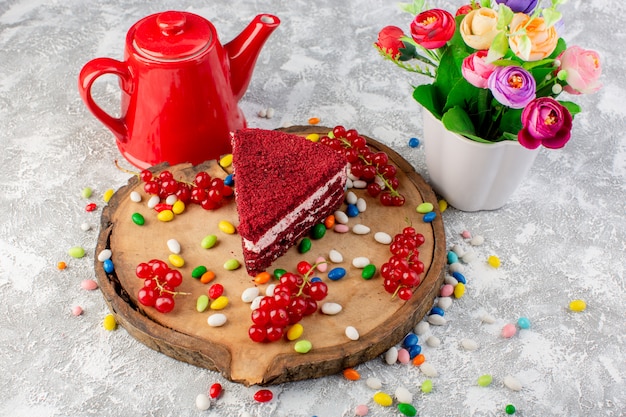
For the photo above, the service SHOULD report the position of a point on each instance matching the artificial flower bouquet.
(497, 69)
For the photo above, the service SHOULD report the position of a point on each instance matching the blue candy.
(108, 266)
(414, 351)
(437, 310)
(459, 277)
(410, 340)
(352, 210)
(429, 217)
(523, 323)
(336, 274)
(315, 279)
(452, 257)
(414, 142)
(229, 180)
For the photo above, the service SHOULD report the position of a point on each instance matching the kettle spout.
(243, 51)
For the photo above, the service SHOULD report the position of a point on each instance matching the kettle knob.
(171, 23)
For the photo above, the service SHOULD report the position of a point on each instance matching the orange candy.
(351, 374)
(329, 221)
(61, 265)
(262, 277)
(314, 120)
(419, 359)
(207, 277)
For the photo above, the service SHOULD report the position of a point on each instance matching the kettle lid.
(172, 36)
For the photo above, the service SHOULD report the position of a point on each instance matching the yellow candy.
(577, 305)
(443, 205)
(178, 207)
(226, 161)
(226, 227)
(494, 261)
(459, 290)
(295, 331)
(176, 260)
(166, 215)
(219, 303)
(109, 322)
(107, 195)
(313, 137)
(383, 399)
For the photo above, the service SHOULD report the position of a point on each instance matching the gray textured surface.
(561, 237)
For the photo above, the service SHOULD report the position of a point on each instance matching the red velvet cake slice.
(284, 185)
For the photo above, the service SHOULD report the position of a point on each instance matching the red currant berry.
(303, 267)
(339, 132)
(146, 296)
(152, 187)
(318, 290)
(166, 175)
(257, 333)
(275, 333)
(159, 268)
(373, 189)
(164, 303)
(145, 175)
(260, 317)
(174, 278)
(143, 271)
(386, 199)
(279, 317)
(405, 293)
(202, 180)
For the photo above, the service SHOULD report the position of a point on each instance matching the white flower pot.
(469, 175)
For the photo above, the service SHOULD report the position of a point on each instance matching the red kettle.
(179, 87)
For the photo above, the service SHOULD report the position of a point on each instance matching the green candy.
(484, 380)
(86, 192)
(198, 271)
(305, 245)
(209, 241)
(279, 273)
(369, 271)
(138, 219)
(407, 409)
(76, 252)
(509, 409)
(424, 208)
(303, 346)
(427, 386)
(318, 231)
(231, 264)
(202, 303)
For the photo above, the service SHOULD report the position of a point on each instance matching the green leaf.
(573, 108)
(551, 16)
(462, 94)
(498, 48)
(456, 120)
(505, 16)
(511, 121)
(427, 95)
(413, 8)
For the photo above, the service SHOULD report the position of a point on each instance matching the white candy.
(85, 227)
(173, 246)
(360, 262)
(391, 356)
(382, 237)
(270, 290)
(335, 256)
(351, 198)
(468, 256)
(171, 199)
(249, 294)
(361, 204)
(349, 183)
(455, 267)
(458, 250)
(469, 344)
(359, 184)
(269, 113)
(262, 113)
(449, 279)
(444, 302)
(487, 318)
(421, 328)
(352, 333)
(437, 320)
(331, 308)
(512, 383)
(104, 255)
(341, 217)
(428, 370)
(403, 395)
(360, 229)
(203, 402)
(433, 341)
(373, 383)
(154, 200)
(256, 302)
(477, 240)
(135, 197)
(216, 320)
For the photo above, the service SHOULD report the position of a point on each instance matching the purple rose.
(520, 6)
(545, 122)
(512, 86)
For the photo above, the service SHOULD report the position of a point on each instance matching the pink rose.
(389, 40)
(582, 68)
(433, 28)
(476, 70)
(545, 122)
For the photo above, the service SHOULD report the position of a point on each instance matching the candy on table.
(577, 305)
(509, 330)
(351, 374)
(217, 320)
(208, 241)
(383, 399)
(215, 390)
(231, 264)
(76, 252)
(226, 227)
(523, 323)
(303, 346)
(352, 333)
(89, 284)
(414, 142)
(203, 402)
(109, 323)
(77, 310)
(484, 380)
(512, 383)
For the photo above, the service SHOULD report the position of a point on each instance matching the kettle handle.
(88, 74)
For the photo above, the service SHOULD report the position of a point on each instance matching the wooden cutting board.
(184, 333)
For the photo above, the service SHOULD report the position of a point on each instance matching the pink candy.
(77, 310)
(509, 330)
(361, 410)
(341, 228)
(466, 234)
(447, 290)
(404, 356)
(89, 285)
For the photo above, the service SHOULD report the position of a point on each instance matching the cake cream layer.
(309, 207)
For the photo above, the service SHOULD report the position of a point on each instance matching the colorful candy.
(226, 227)
(165, 216)
(176, 260)
(484, 380)
(231, 264)
(577, 305)
(383, 399)
(76, 252)
(138, 219)
(427, 386)
(508, 330)
(368, 272)
(351, 374)
(407, 409)
(219, 303)
(336, 274)
(494, 261)
(109, 323)
(263, 395)
(216, 320)
(208, 241)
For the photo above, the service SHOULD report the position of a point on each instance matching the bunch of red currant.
(205, 191)
(294, 298)
(401, 273)
(159, 285)
(367, 165)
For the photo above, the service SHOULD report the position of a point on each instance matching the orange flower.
(479, 27)
(543, 39)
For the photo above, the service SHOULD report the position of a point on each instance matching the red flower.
(466, 9)
(545, 122)
(433, 28)
(389, 40)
